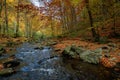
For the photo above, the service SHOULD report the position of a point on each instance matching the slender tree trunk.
(63, 16)
(114, 21)
(103, 12)
(52, 28)
(18, 16)
(94, 34)
(62, 27)
(26, 26)
(30, 28)
(1, 5)
(114, 26)
(73, 18)
(6, 17)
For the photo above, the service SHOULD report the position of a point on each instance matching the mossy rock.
(92, 56)
(6, 71)
(80, 53)
(79, 50)
(4, 60)
(67, 50)
(9, 63)
(73, 51)
(50, 43)
(39, 48)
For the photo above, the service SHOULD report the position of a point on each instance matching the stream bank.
(43, 64)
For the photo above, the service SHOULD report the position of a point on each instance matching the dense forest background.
(96, 19)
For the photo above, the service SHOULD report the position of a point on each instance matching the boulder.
(40, 48)
(4, 60)
(50, 43)
(6, 71)
(107, 55)
(2, 50)
(80, 53)
(79, 50)
(91, 56)
(105, 49)
(73, 51)
(57, 50)
(112, 45)
(118, 66)
(66, 51)
(9, 62)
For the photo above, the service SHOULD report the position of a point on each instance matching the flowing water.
(39, 64)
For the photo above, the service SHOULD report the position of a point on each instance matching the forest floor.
(9, 43)
(114, 55)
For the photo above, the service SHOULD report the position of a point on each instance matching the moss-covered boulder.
(50, 43)
(6, 71)
(9, 63)
(72, 51)
(83, 54)
(66, 51)
(92, 56)
(4, 60)
(7, 66)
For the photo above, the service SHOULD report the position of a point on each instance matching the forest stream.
(37, 64)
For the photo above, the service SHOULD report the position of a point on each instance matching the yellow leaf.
(10, 0)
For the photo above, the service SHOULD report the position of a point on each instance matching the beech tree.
(17, 17)
(6, 17)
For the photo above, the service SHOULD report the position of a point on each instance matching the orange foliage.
(1, 66)
(107, 63)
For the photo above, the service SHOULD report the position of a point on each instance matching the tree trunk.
(94, 34)
(1, 16)
(73, 18)
(6, 17)
(18, 16)
(114, 20)
(30, 28)
(62, 10)
(26, 26)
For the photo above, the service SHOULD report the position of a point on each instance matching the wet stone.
(80, 53)
(107, 55)
(40, 48)
(105, 49)
(50, 43)
(112, 45)
(2, 50)
(6, 71)
(92, 56)
(11, 64)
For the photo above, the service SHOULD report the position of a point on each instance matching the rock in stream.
(81, 53)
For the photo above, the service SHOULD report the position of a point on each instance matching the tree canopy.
(26, 18)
